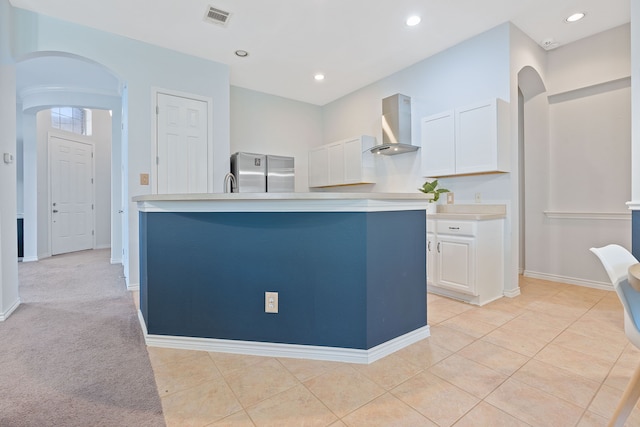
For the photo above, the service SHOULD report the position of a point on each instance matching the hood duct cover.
(396, 126)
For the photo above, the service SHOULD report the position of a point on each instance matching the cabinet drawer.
(466, 228)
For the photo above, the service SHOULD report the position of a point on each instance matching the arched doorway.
(53, 79)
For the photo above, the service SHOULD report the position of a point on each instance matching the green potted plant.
(431, 188)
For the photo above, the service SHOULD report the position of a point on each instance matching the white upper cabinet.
(464, 141)
(336, 163)
(342, 163)
(438, 144)
(319, 166)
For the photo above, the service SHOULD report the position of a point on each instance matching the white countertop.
(475, 212)
(279, 196)
(281, 202)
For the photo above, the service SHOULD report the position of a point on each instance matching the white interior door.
(72, 195)
(182, 151)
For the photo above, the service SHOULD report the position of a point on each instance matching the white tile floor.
(554, 356)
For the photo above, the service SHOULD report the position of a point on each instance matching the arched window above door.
(72, 119)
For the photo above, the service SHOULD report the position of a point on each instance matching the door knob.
(55, 211)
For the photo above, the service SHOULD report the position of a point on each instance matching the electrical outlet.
(449, 198)
(270, 302)
(478, 198)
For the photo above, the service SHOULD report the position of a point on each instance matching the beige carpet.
(73, 354)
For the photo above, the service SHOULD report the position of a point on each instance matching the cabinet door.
(438, 145)
(456, 263)
(431, 258)
(336, 163)
(352, 161)
(318, 167)
(476, 138)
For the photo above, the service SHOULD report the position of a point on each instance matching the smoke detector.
(217, 16)
(548, 44)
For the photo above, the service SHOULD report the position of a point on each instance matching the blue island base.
(351, 285)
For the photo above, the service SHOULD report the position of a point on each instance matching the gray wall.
(267, 124)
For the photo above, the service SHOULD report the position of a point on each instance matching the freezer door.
(250, 172)
(280, 174)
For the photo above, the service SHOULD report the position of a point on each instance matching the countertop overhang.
(279, 202)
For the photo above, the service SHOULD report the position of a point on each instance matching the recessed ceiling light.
(319, 77)
(242, 53)
(576, 17)
(413, 20)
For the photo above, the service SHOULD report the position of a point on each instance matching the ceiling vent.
(217, 16)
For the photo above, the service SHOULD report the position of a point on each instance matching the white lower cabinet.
(465, 259)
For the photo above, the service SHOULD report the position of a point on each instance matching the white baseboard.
(5, 315)
(116, 261)
(105, 246)
(297, 351)
(133, 286)
(512, 293)
(569, 280)
(470, 299)
(30, 259)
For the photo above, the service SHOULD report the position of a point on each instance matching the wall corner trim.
(4, 316)
(634, 205)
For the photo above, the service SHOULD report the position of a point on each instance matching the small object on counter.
(432, 188)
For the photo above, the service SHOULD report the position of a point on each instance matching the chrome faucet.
(229, 178)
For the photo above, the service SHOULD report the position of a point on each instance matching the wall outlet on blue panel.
(270, 302)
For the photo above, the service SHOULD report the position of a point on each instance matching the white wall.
(474, 70)
(8, 228)
(102, 138)
(8, 249)
(488, 66)
(584, 167)
(141, 67)
(267, 124)
(635, 104)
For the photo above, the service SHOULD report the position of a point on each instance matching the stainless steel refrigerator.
(260, 173)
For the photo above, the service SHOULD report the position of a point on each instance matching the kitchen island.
(349, 270)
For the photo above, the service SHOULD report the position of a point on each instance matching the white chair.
(616, 261)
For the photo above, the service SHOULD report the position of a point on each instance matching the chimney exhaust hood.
(396, 126)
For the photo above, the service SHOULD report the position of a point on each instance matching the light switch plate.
(8, 158)
(144, 179)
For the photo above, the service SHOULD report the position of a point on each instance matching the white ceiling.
(353, 42)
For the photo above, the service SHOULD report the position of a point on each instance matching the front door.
(72, 196)
(182, 145)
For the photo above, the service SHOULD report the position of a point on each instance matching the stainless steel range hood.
(396, 126)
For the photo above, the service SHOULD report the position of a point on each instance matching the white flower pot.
(432, 207)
